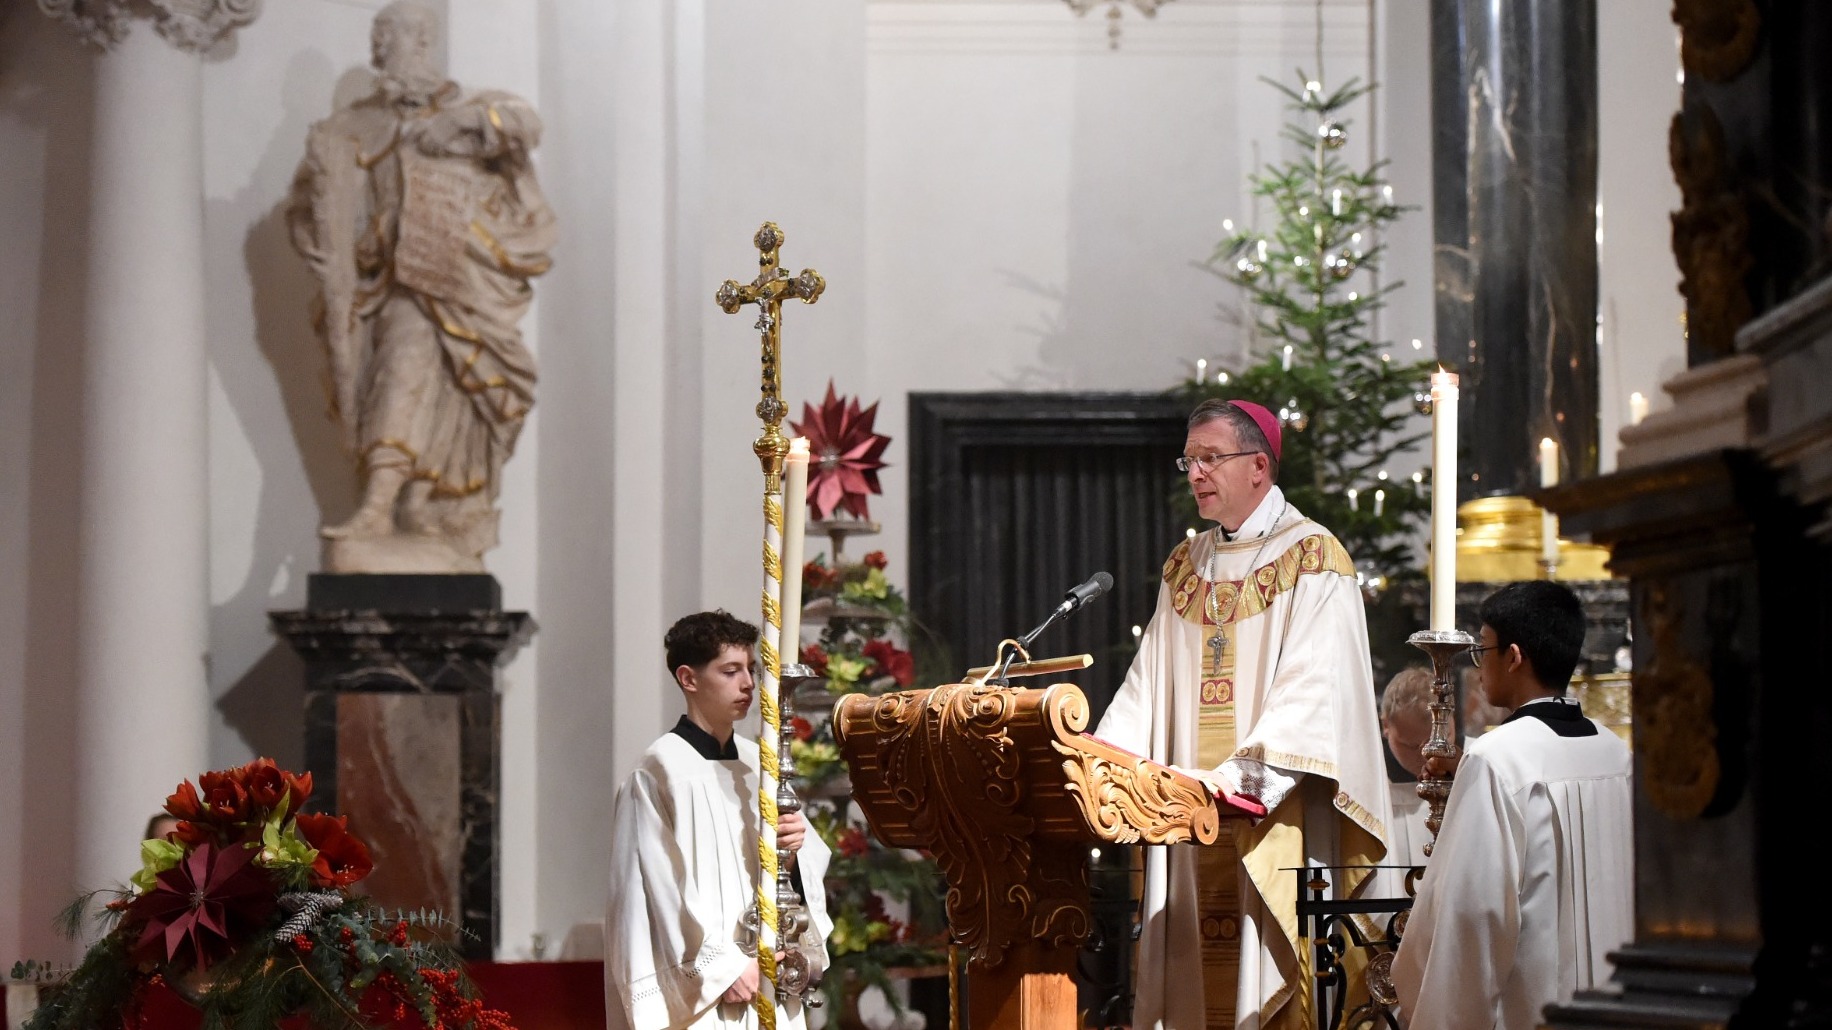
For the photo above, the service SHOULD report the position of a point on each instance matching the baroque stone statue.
(418, 211)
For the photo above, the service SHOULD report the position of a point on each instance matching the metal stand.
(1444, 646)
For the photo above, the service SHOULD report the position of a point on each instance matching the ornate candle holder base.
(1444, 646)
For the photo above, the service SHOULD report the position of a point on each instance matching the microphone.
(1072, 601)
(1097, 584)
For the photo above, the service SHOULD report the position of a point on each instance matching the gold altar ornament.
(767, 291)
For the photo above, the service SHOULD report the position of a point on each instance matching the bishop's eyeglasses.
(1205, 462)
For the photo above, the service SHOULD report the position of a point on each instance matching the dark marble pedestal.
(402, 731)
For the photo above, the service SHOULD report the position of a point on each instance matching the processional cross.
(780, 915)
(767, 291)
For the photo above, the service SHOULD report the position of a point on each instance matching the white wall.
(997, 201)
(1039, 206)
(1642, 340)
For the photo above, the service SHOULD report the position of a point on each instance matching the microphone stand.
(1023, 643)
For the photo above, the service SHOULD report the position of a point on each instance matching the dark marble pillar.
(1727, 599)
(1514, 192)
(402, 731)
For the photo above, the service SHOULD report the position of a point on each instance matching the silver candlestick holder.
(793, 921)
(1444, 646)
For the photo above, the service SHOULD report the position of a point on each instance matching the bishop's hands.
(1228, 799)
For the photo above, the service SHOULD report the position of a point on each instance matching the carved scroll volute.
(1127, 799)
(994, 782)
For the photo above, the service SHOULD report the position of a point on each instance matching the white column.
(143, 702)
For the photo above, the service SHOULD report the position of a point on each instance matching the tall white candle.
(1354, 499)
(1202, 369)
(795, 521)
(1548, 522)
(1380, 502)
(1443, 500)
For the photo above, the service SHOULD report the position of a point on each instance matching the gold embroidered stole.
(1218, 865)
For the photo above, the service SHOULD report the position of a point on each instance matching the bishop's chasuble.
(683, 876)
(1283, 710)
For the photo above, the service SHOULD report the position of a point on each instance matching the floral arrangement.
(857, 652)
(847, 454)
(245, 910)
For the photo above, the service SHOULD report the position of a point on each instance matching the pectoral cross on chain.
(767, 291)
(1216, 645)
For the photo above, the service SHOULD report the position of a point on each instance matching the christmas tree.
(1349, 403)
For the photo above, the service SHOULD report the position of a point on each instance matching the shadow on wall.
(48, 85)
(262, 701)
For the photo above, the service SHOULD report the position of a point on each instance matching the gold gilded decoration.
(1717, 38)
(1676, 733)
(772, 611)
(995, 782)
(1710, 235)
(767, 291)
(1499, 541)
(1318, 552)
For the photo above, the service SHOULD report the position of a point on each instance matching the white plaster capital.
(190, 25)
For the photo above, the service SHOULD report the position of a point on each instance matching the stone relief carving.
(1717, 37)
(1674, 724)
(1710, 234)
(418, 210)
(191, 25)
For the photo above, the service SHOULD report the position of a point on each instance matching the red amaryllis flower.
(212, 897)
(802, 728)
(892, 660)
(225, 794)
(876, 559)
(846, 454)
(266, 783)
(343, 858)
(816, 576)
(191, 834)
(184, 802)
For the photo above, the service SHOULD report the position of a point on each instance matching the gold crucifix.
(773, 283)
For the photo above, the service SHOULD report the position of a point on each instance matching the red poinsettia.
(846, 454)
(342, 858)
(892, 660)
(211, 898)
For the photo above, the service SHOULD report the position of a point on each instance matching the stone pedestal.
(402, 731)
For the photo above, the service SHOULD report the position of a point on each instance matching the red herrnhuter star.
(844, 454)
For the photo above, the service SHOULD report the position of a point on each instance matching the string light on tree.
(1311, 283)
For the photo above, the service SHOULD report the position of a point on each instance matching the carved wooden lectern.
(1002, 787)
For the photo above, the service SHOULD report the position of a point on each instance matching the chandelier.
(1148, 8)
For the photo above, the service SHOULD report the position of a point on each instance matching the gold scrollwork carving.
(994, 782)
(1674, 728)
